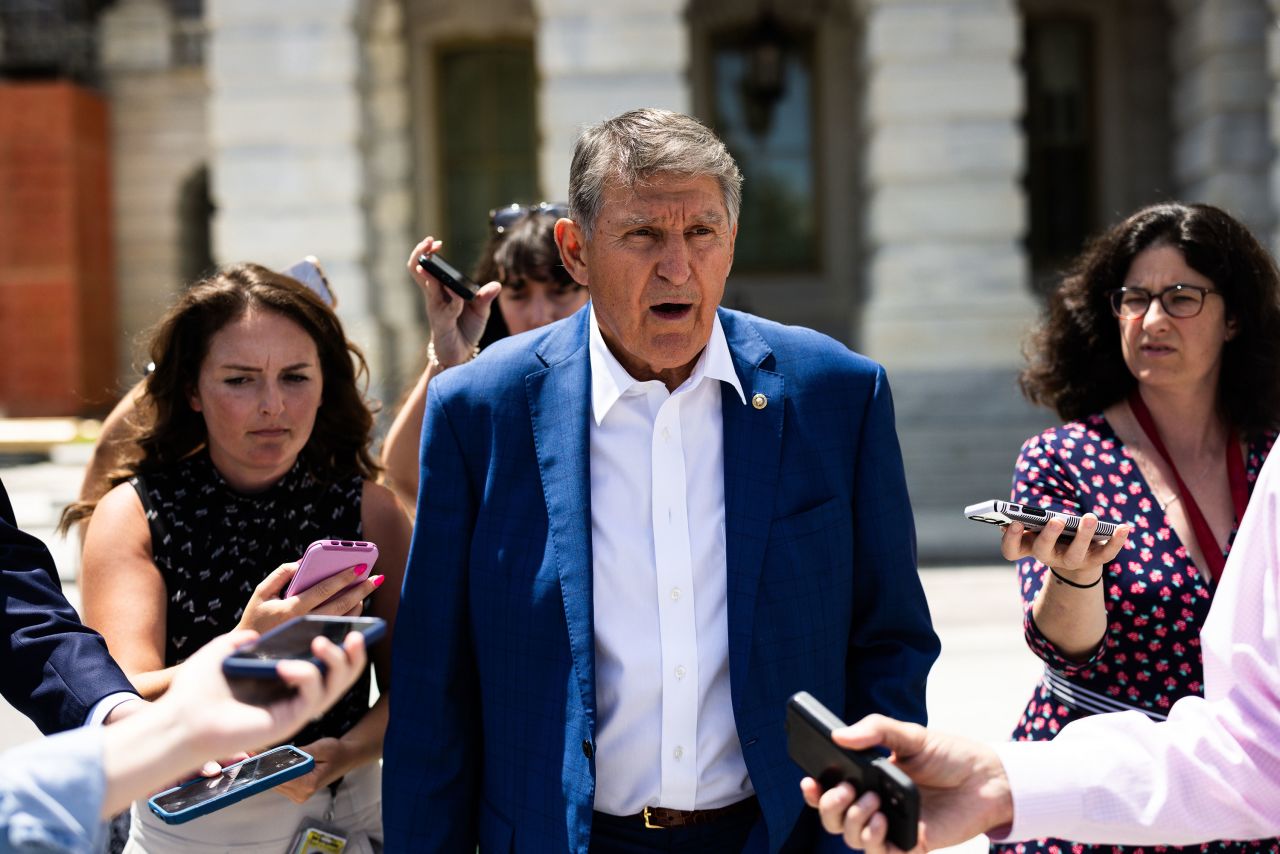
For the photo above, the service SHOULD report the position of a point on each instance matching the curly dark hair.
(171, 430)
(1075, 364)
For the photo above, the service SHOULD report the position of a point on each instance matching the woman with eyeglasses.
(521, 265)
(1161, 350)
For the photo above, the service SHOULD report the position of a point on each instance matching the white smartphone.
(309, 272)
(1033, 518)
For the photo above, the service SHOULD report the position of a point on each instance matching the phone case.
(809, 726)
(250, 662)
(1034, 518)
(324, 558)
(227, 799)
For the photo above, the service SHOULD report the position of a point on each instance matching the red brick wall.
(57, 285)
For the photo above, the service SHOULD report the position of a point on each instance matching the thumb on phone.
(274, 584)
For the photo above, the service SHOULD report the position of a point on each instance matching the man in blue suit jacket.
(639, 531)
(56, 671)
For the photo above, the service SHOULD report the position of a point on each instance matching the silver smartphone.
(1033, 518)
(309, 272)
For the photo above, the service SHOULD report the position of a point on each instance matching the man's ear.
(573, 245)
(1232, 328)
(733, 241)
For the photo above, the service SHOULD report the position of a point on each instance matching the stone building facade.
(922, 166)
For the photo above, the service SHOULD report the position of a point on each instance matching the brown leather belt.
(660, 818)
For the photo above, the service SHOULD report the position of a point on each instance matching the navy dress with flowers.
(1156, 601)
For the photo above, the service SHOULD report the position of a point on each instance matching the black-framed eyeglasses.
(500, 219)
(1176, 300)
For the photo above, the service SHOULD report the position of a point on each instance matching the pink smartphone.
(325, 558)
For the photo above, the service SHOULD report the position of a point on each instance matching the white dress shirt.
(666, 734)
(1212, 770)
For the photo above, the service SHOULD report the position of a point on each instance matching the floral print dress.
(1156, 601)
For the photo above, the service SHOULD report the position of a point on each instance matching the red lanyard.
(1235, 474)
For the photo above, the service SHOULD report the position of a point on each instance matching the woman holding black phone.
(520, 271)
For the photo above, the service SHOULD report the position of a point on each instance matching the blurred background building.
(916, 170)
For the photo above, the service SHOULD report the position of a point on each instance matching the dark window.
(1060, 140)
(487, 137)
(763, 110)
(45, 39)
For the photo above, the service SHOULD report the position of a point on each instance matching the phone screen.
(232, 778)
(293, 640)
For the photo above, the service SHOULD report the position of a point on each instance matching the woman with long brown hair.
(257, 444)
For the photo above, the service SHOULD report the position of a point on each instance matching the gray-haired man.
(640, 529)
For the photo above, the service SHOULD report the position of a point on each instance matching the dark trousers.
(618, 835)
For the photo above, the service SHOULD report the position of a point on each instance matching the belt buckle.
(649, 824)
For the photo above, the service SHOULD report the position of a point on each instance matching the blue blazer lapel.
(752, 452)
(559, 404)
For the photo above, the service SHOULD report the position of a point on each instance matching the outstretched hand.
(199, 717)
(963, 787)
(456, 324)
(223, 723)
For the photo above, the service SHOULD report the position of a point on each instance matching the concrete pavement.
(978, 687)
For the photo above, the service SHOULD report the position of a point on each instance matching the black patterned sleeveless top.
(213, 545)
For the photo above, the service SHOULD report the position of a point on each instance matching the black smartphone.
(809, 728)
(449, 276)
(1034, 519)
(257, 659)
(204, 795)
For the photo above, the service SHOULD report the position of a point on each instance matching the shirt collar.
(609, 380)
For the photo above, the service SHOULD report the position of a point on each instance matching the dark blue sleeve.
(55, 669)
(432, 752)
(892, 644)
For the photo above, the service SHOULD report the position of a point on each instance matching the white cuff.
(106, 706)
(1047, 796)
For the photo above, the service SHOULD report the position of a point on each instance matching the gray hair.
(629, 149)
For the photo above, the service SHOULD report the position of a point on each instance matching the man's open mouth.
(671, 310)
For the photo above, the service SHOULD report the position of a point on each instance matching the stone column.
(1223, 149)
(945, 269)
(600, 59)
(388, 164)
(158, 143)
(287, 132)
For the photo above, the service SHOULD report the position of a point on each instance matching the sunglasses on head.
(500, 219)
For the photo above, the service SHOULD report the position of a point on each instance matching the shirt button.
(678, 752)
(587, 750)
(675, 594)
(680, 671)
(666, 434)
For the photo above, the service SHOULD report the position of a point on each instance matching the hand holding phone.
(292, 640)
(326, 558)
(809, 726)
(1003, 513)
(449, 276)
